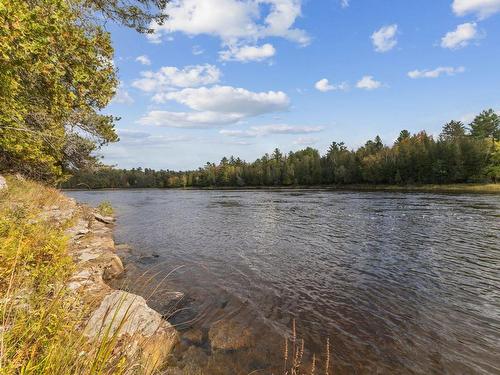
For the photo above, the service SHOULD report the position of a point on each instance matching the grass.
(105, 208)
(293, 357)
(41, 320)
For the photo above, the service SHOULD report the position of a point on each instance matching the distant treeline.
(460, 154)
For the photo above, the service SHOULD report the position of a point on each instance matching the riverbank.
(445, 188)
(59, 315)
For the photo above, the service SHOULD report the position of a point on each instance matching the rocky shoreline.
(140, 331)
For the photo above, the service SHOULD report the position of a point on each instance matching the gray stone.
(3, 183)
(104, 219)
(128, 316)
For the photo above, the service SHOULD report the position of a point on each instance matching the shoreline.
(474, 188)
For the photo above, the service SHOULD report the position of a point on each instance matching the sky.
(242, 77)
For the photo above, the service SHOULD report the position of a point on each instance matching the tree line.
(459, 154)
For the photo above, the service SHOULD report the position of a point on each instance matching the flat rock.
(103, 219)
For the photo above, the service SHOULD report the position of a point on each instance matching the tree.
(404, 134)
(486, 125)
(136, 14)
(452, 130)
(56, 75)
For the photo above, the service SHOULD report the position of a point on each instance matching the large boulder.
(127, 316)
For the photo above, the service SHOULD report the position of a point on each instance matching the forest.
(460, 154)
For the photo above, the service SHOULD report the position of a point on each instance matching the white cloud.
(139, 138)
(234, 21)
(461, 36)
(306, 141)
(259, 131)
(228, 99)
(248, 53)
(122, 96)
(368, 83)
(384, 39)
(324, 85)
(435, 73)
(143, 59)
(197, 50)
(482, 8)
(344, 3)
(215, 106)
(204, 119)
(170, 77)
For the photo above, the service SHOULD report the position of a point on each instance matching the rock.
(113, 267)
(123, 247)
(194, 336)
(127, 316)
(230, 335)
(3, 183)
(103, 219)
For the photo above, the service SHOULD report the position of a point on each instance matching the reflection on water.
(401, 283)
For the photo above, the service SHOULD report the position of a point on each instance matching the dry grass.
(41, 321)
(293, 355)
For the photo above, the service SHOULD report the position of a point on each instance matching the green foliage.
(105, 208)
(486, 125)
(136, 14)
(56, 74)
(455, 157)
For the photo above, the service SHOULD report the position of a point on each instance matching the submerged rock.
(230, 335)
(194, 336)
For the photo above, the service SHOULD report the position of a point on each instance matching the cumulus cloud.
(143, 59)
(384, 39)
(344, 3)
(368, 83)
(248, 53)
(234, 21)
(324, 85)
(259, 131)
(215, 106)
(204, 119)
(435, 73)
(170, 77)
(481, 8)
(461, 36)
(228, 99)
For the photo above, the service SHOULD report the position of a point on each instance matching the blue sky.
(241, 77)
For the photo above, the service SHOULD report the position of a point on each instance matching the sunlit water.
(400, 283)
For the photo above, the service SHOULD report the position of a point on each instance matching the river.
(399, 283)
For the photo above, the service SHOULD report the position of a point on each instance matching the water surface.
(401, 283)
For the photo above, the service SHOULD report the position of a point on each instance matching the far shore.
(434, 188)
